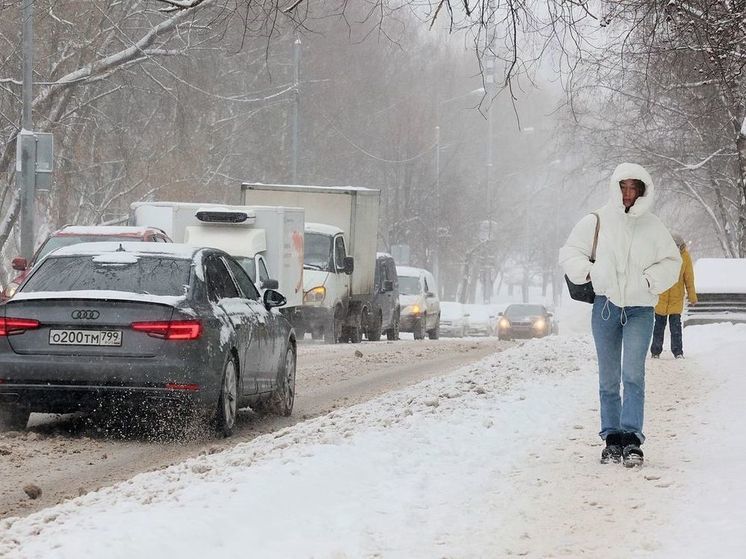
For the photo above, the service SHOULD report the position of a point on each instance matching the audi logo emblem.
(85, 315)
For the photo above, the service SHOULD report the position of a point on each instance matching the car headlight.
(504, 323)
(540, 324)
(413, 310)
(315, 295)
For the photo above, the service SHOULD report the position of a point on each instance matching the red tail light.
(10, 326)
(170, 330)
(179, 386)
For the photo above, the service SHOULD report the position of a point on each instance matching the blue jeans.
(674, 324)
(622, 337)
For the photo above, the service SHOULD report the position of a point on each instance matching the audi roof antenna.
(121, 248)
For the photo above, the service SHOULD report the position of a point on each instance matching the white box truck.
(266, 240)
(341, 235)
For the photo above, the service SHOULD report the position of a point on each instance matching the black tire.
(434, 334)
(283, 397)
(13, 417)
(355, 332)
(227, 409)
(374, 330)
(333, 330)
(419, 328)
(393, 333)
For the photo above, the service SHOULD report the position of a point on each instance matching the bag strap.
(595, 238)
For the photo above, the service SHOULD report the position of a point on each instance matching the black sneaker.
(613, 450)
(679, 356)
(631, 453)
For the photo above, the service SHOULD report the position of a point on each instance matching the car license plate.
(86, 337)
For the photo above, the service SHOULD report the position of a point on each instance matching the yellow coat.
(672, 301)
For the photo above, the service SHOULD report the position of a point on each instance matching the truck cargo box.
(352, 209)
(275, 232)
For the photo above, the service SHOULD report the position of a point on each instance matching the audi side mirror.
(19, 263)
(270, 283)
(272, 299)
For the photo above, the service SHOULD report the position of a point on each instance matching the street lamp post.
(436, 256)
(438, 228)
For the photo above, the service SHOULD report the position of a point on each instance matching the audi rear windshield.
(150, 275)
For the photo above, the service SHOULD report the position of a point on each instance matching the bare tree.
(674, 100)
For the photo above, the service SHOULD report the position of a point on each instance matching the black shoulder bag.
(584, 291)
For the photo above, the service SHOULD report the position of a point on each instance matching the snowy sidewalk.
(499, 459)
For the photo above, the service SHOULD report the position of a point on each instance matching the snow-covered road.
(495, 460)
(70, 456)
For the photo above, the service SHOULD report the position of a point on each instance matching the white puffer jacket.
(636, 258)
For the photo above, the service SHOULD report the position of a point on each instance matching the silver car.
(143, 323)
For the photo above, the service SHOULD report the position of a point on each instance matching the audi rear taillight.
(170, 329)
(10, 326)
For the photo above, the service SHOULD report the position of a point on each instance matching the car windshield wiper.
(312, 266)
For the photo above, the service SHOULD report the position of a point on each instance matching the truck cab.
(326, 278)
(247, 246)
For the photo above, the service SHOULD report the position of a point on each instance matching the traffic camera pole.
(25, 181)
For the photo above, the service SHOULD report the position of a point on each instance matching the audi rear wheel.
(227, 411)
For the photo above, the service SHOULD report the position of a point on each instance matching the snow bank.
(394, 476)
(495, 460)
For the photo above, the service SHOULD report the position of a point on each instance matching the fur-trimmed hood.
(631, 171)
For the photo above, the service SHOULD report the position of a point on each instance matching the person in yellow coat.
(671, 305)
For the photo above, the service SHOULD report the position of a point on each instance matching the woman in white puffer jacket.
(636, 260)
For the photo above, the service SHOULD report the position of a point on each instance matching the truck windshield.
(409, 285)
(317, 251)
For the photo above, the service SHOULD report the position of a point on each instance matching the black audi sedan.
(524, 321)
(143, 323)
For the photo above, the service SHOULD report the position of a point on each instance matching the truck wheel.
(419, 328)
(355, 332)
(333, 330)
(434, 334)
(393, 333)
(13, 418)
(374, 330)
